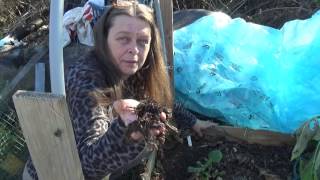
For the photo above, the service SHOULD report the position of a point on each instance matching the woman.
(125, 66)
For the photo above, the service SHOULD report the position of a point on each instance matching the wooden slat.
(250, 136)
(166, 12)
(47, 128)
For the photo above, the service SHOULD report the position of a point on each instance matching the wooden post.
(40, 77)
(167, 17)
(48, 131)
(166, 28)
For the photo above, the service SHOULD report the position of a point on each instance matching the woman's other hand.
(201, 125)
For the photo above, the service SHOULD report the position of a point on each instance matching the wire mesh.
(13, 149)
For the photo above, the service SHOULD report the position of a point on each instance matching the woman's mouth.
(130, 61)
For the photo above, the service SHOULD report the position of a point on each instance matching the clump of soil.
(148, 112)
(239, 161)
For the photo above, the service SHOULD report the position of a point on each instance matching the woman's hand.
(201, 125)
(126, 110)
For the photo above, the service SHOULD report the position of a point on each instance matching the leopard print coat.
(98, 132)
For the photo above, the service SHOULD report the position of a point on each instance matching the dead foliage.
(16, 12)
(266, 12)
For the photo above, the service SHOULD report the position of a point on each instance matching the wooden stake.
(165, 26)
(40, 77)
(167, 17)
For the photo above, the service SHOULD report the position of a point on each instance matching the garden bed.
(239, 161)
(245, 155)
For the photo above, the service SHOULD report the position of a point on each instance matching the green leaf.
(305, 134)
(204, 176)
(317, 136)
(215, 156)
(316, 127)
(199, 163)
(316, 158)
(305, 169)
(195, 169)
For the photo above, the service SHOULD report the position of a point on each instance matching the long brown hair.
(156, 80)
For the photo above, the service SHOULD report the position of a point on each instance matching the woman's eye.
(143, 42)
(123, 39)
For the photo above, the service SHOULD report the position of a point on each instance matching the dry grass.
(267, 12)
(15, 12)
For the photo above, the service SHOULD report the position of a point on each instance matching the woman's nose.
(133, 49)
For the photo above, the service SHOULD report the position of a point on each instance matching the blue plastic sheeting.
(249, 75)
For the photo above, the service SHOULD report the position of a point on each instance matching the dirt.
(239, 161)
(148, 112)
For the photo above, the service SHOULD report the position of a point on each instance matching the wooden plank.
(250, 136)
(10, 88)
(167, 17)
(47, 128)
(40, 77)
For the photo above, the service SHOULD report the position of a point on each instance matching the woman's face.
(129, 43)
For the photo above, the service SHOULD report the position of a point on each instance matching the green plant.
(13, 150)
(203, 170)
(308, 133)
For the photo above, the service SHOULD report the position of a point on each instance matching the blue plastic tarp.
(249, 75)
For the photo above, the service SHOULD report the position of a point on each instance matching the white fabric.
(75, 20)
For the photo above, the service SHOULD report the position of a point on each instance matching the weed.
(309, 162)
(203, 170)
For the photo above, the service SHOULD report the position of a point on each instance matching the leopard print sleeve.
(99, 136)
(183, 118)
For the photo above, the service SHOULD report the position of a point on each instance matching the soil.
(239, 161)
(148, 112)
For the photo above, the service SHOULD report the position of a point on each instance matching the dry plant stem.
(171, 128)
(150, 165)
(281, 9)
(175, 132)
